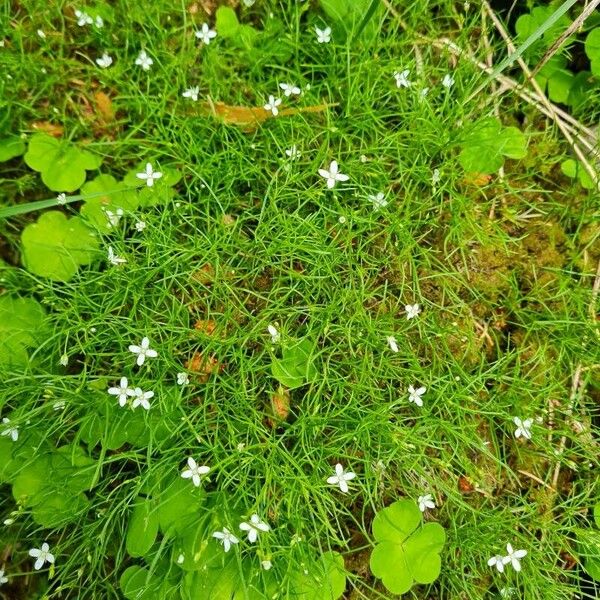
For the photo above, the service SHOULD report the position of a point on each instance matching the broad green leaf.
(10, 147)
(227, 24)
(592, 49)
(71, 465)
(63, 165)
(59, 507)
(29, 484)
(296, 367)
(55, 246)
(175, 505)
(143, 527)
(349, 14)
(573, 169)
(527, 24)
(588, 541)
(21, 326)
(325, 580)
(396, 522)
(139, 584)
(597, 515)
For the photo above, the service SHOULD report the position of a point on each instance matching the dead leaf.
(203, 367)
(104, 107)
(280, 403)
(477, 179)
(205, 274)
(207, 327)
(464, 485)
(249, 118)
(49, 128)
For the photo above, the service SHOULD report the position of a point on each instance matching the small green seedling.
(21, 327)
(574, 169)
(296, 367)
(407, 551)
(10, 147)
(55, 246)
(62, 164)
(487, 142)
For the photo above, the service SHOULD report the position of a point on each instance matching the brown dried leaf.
(104, 107)
(205, 274)
(280, 403)
(203, 367)
(207, 327)
(477, 179)
(49, 128)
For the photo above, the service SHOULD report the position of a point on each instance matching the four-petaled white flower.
(206, 34)
(341, 478)
(414, 395)
(113, 218)
(140, 225)
(272, 105)
(182, 379)
(83, 18)
(121, 392)
(253, 528)
(290, 89)
(3, 579)
(144, 61)
(498, 562)
(11, 431)
(425, 502)
(143, 351)
(392, 343)
(513, 557)
(412, 310)
(194, 471)
(113, 259)
(523, 428)
(104, 61)
(378, 200)
(226, 537)
(42, 555)
(402, 78)
(140, 398)
(61, 198)
(448, 81)
(293, 153)
(149, 175)
(99, 22)
(323, 35)
(274, 333)
(333, 175)
(192, 93)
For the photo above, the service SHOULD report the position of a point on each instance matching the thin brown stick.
(535, 478)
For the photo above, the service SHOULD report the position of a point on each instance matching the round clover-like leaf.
(139, 584)
(106, 194)
(592, 49)
(325, 580)
(406, 552)
(63, 165)
(55, 246)
(10, 147)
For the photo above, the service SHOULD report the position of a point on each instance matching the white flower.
(104, 61)
(332, 175)
(341, 478)
(435, 177)
(227, 538)
(42, 555)
(249, 3)
(293, 153)
(142, 351)
(514, 557)
(41, 34)
(275, 335)
(61, 198)
(140, 225)
(192, 93)
(83, 18)
(402, 78)
(59, 405)
(414, 395)
(113, 259)
(99, 22)
(272, 105)
(149, 175)
(498, 562)
(392, 343)
(423, 93)
(3, 579)
(113, 217)
(8, 521)
(194, 471)
(122, 392)
(523, 428)
(144, 61)
(11, 431)
(425, 502)
(266, 564)
(64, 360)
(206, 34)
(182, 379)
(180, 559)
(412, 310)
(253, 528)
(140, 398)
(323, 35)
(448, 81)
(378, 200)
(289, 89)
